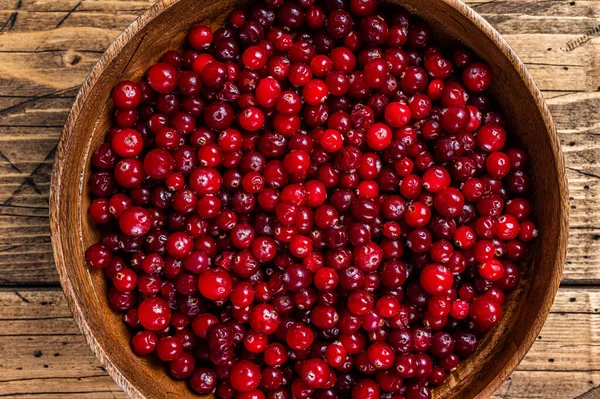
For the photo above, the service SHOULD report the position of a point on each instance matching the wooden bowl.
(163, 27)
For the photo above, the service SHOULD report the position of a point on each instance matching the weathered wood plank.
(538, 30)
(548, 385)
(560, 364)
(522, 16)
(31, 71)
(48, 47)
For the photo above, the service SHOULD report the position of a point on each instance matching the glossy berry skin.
(397, 114)
(159, 164)
(215, 284)
(381, 355)
(436, 279)
(98, 256)
(144, 343)
(244, 376)
(331, 140)
(379, 136)
(135, 221)
(169, 348)
(254, 57)
(126, 95)
(299, 336)
(162, 77)
(315, 92)
(436, 179)
(449, 202)
(335, 354)
(200, 36)
(477, 77)
(491, 270)
(485, 313)
(315, 373)
(125, 280)
(491, 138)
(265, 319)
(203, 380)
(154, 314)
(366, 389)
(183, 366)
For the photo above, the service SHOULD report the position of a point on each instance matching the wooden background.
(47, 47)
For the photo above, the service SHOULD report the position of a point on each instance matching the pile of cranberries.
(314, 201)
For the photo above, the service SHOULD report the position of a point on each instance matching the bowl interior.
(164, 27)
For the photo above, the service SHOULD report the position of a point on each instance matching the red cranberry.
(154, 314)
(366, 389)
(477, 77)
(485, 313)
(436, 279)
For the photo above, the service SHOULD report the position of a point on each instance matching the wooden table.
(48, 47)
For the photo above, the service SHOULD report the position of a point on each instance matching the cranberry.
(366, 389)
(98, 256)
(264, 318)
(126, 95)
(299, 336)
(162, 77)
(169, 348)
(339, 24)
(486, 313)
(244, 376)
(436, 279)
(315, 373)
(183, 366)
(477, 77)
(154, 314)
(215, 284)
(144, 342)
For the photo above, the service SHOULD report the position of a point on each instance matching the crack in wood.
(71, 11)
(22, 297)
(29, 179)
(21, 215)
(556, 65)
(509, 385)
(134, 52)
(55, 393)
(12, 19)
(56, 378)
(36, 98)
(475, 6)
(10, 22)
(5, 158)
(581, 40)
(458, 22)
(593, 393)
(40, 318)
(22, 206)
(36, 126)
(52, 50)
(10, 248)
(582, 172)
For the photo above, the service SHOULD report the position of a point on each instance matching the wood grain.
(48, 336)
(58, 41)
